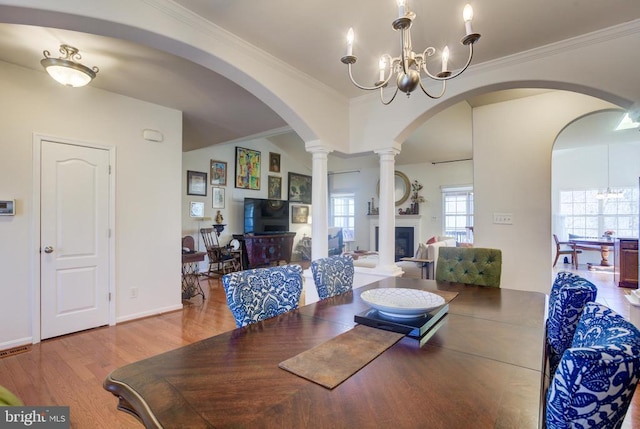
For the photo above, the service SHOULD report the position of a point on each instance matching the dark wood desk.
(481, 369)
(604, 244)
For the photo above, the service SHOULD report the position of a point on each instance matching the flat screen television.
(263, 217)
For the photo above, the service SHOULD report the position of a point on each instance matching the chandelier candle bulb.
(467, 15)
(350, 37)
(401, 11)
(382, 64)
(445, 58)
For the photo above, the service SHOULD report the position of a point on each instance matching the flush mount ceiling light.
(67, 70)
(627, 123)
(409, 65)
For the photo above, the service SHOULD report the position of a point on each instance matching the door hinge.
(109, 169)
(109, 296)
(109, 233)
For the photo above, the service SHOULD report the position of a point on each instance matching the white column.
(320, 199)
(387, 213)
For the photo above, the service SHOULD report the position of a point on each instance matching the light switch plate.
(503, 218)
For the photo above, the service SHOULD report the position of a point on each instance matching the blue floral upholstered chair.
(333, 275)
(258, 294)
(569, 294)
(597, 376)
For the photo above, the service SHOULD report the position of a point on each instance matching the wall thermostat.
(7, 207)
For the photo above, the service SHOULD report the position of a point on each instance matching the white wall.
(233, 214)
(147, 191)
(512, 143)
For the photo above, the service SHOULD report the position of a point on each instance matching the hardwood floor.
(69, 370)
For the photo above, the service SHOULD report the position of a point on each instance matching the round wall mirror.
(402, 187)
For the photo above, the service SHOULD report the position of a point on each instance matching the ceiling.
(309, 35)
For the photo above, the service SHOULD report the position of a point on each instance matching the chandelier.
(409, 66)
(609, 193)
(66, 70)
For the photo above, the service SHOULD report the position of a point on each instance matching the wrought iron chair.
(569, 295)
(221, 260)
(261, 293)
(333, 275)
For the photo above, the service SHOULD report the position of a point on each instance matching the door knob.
(48, 249)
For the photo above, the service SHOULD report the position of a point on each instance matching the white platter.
(235, 244)
(401, 302)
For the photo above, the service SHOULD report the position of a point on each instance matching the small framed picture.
(196, 209)
(196, 183)
(274, 188)
(274, 162)
(218, 173)
(299, 214)
(217, 197)
(299, 188)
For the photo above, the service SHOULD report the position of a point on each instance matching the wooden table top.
(480, 369)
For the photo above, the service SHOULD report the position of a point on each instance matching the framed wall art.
(196, 209)
(274, 162)
(218, 173)
(217, 197)
(299, 214)
(247, 169)
(299, 188)
(274, 187)
(196, 183)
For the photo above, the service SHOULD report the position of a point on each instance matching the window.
(457, 207)
(584, 215)
(342, 213)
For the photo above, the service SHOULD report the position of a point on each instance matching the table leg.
(604, 253)
(190, 281)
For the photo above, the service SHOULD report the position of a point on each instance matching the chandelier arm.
(368, 88)
(451, 76)
(392, 98)
(435, 97)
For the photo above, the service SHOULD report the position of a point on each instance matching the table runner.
(332, 362)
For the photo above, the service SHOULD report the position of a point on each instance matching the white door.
(74, 246)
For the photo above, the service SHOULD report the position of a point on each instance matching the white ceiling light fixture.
(609, 194)
(67, 70)
(409, 66)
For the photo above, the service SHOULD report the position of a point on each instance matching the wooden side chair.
(597, 376)
(333, 275)
(221, 260)
(261, 293)
(566, 248)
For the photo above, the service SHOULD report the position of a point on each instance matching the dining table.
(480, 366)
(604, 244)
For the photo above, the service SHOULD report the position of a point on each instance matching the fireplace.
(403, 242)
(407, 235)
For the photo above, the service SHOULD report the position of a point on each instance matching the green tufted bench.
(470, 265)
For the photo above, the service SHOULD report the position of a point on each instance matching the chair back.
(261, 293)
(188, 243)
(569, 295)
(470, 265)
(597, 376)
(555, 238)
(333, 275)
